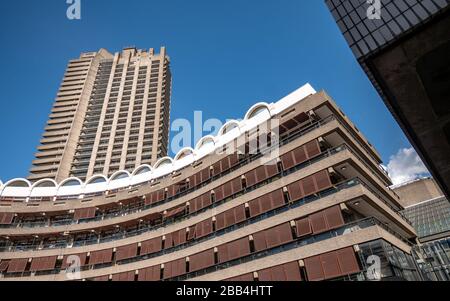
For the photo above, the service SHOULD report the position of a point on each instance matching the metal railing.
(295, 243)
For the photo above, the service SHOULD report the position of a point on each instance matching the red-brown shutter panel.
(172, 213)
(239, 214)
(201, 260)
(227, 190)
(6, 218)
(150, 274)
(126, 276)
(265, 275)
(234, 250)
(203, 228)
(17, 265)
(295, 191)
(271, 169)
(126, 252)
(102, 278)
(292, 271)
(250, 178)
(200, 202)
(287, 160)
(299, 155)
(175, 268)
(193, 180)
(179, 237)
(218, 191)
(312, 149)
(277, 199)
(220, 221)
(303, 227)
(334, 218)
(314, 270)
(284, 272)
(151, 246)
(322, 180)
(347, 261)
(205, 175)
(236, 185)
(272, 237)
(230, 217)
(103, 256)
(278, 235)
(217, 168)
(259, 240)
(154, 197)
(225, 163)
(330, 265)
(43, 263)
(318, 223)
(254, 207)
(4, 265)
(84, 213)
(309, 186)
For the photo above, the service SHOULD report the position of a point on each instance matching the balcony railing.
(296, 243)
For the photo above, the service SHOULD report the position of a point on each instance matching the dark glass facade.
(365, 35)
(430, 217)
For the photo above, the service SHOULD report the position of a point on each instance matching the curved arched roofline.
(183, 151)
(64, 182)
(226, 125)
(255, 108)
(161, 161)
(201, 142)
(40, 182)
(8, 184)
(248, 123)
(95, 177)
(114, 176)
(139, 168)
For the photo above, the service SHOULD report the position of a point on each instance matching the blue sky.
(226, 56)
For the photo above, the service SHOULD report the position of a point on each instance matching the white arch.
(115, 176)
(227, 127)
(18, 180)
(143, 173)
(73, 179)
(116, 181)
(44, 188)
(16, 188)
(163, 161)
(253, 111)
(184, 153)
(41, 184)
(65, 190)
(205, 140)
(140, 169)
(91, 187)
(95, 177)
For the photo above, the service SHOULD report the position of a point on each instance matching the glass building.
(429, 213)
(403, 47)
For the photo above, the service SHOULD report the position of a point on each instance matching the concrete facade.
(315, 209)
(111, 113)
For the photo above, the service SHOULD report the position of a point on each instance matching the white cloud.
(406, 166)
